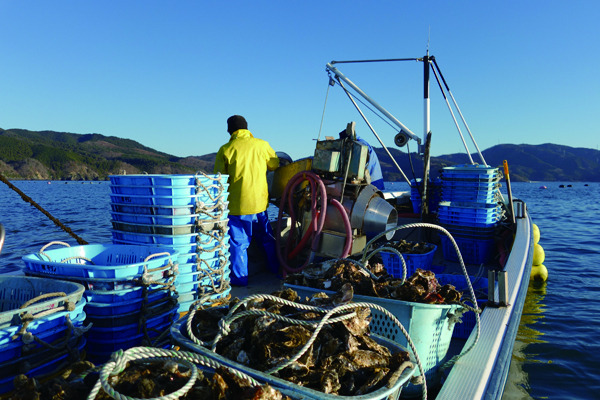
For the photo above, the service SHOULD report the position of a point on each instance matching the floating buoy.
(538, 254)
(536, 234)
(539, 273)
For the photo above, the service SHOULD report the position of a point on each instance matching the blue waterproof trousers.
(242, 228)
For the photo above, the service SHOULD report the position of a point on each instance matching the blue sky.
(168, 73)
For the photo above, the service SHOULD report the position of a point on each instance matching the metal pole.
(374, 133)
(374, 103)
(459, 112)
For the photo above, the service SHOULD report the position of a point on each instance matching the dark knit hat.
(236, 122)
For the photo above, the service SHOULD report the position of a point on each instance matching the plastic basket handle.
(42, 297)
(41, 252)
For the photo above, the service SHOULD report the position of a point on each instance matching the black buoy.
(561, 186)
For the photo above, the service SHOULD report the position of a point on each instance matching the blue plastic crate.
(471, 196)
(470, 232)
(166, 180)
(184, 210)
(467, 220)
(168, 230)
(469, 209)
(40, 325)
(99, 260)
(473, 251)
(470, 169)
(462, 179)
(393, 265)
(125, 307)
(38, 370)
(206, 284)
(175, 191)
(207, 265)
(121, 295)
(161, 321)
(14, 348)
(147, 219)
(167, 240)
(204, 255)
(208, 198)
(16, 290)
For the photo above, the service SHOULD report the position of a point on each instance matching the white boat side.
(482, 373)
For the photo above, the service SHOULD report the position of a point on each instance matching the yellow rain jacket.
(246, 160)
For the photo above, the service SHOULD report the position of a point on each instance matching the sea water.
(557, 352)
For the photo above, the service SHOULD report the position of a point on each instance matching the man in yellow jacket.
(246, 160)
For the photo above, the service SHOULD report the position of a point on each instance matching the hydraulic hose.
(318, 217)
(347, 226)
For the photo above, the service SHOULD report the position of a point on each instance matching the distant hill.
(69, 156)
(544, 162)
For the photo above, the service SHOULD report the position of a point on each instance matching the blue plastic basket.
(13, 349)
(94, 309)
(202, 281)
(39, 325)
(153, 210)
(166, 180)
(166, 240)
(393, 265)
(465, 170)
(15, 291)
(469, 221)
(471, 196)
(176, 191)
(204, 250)
(149, 219)
(473, 251)
(204, 255)
(45, 367)
(208, 197)
(161, 321)
(471, 232)
(99, 260)
(427, 325)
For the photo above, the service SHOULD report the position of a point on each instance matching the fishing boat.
(327, 213)
(480, 356)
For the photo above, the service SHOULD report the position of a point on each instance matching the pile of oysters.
(373, 280)
(142, 380)
(343, 359)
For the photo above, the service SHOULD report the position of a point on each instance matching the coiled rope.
(119, 360)
(328, 318)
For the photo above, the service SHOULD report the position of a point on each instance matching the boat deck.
(482, 372)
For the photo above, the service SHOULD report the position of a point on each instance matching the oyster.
(342, 359)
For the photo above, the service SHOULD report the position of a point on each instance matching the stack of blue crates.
(185, 212)
(38, 335)
(470, 211)
(127, 289)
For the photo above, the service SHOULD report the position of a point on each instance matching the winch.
(333, 208)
